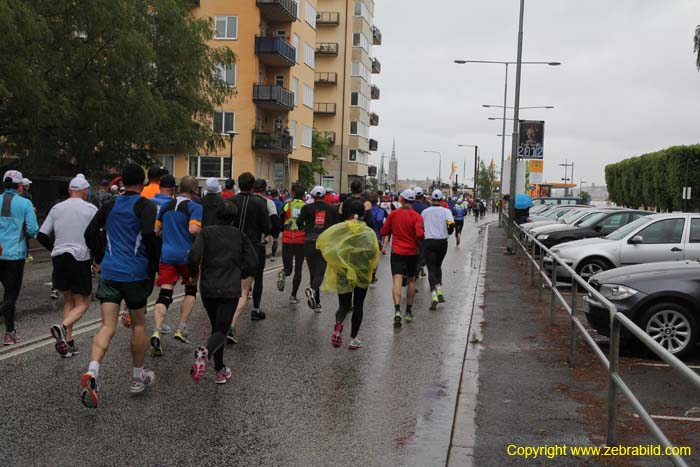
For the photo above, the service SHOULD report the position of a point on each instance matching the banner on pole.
(531, 140)
(536, 171)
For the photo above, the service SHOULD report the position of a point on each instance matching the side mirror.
(636, 240)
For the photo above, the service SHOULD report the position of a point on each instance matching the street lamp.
(231, 135)
(531, 107)
(439, 167)
(505, 91)
(320, 175)
(476, 164)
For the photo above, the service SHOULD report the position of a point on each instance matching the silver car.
(650, 239)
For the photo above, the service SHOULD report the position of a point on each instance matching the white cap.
(408, 195)
(15, 175)
(318, 192)
(26, 182)
(79, 183)
(419, 191)
(437, 195)
(307, 196)
(114, 188)
(212, 185)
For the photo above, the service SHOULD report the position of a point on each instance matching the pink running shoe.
(11, 338)
(336, 338)
(223, 376)
(199, 365)
(59, 333)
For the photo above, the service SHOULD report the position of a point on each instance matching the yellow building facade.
(272, 110)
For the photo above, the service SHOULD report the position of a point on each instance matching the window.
(310, 15)
(360, 40)
(293, 132)
(306, 136)
(224, 122)
(225, 75)
(258, 168)
(168, 162)
(358, 99)
(359, 129)
(298, 9)
(361, 10)
(359, 69)
(279, 80)
(309, 57)
(226, 27)
(352, 156)
(613, 222)
(210, 166)
(694, 231)
(295, 90)
(665, 231)
(308, 96)
(295, 43)
(328, 181)
(282, 33)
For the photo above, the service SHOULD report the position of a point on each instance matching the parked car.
(555, 200)
(565, 222)
(649, 239)
(600, 224)
(550, 216)
(661, 298)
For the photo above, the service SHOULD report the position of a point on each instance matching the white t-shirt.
(435, 219)
(68, 221)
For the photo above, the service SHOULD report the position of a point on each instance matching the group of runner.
(215, 245)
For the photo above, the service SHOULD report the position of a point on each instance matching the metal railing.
(326, 77)
(326, 48)
(288, 6)
(330, 18)
(273, 94)
(275, 45)
(324, 108)
(530, 246)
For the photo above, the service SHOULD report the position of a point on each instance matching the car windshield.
(580, 214)
(620, 233)
(586, 215)
(555, 213)
(592, 220)
(569, 216)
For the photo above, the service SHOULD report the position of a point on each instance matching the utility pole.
(516, 122)
(566, 166)
(476, 169)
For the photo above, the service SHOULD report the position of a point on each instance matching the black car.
(598, 225)
(661, 298)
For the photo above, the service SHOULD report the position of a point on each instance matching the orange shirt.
(150, 190)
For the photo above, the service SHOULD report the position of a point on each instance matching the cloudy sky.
(627, 84)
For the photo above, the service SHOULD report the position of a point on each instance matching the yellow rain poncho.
(352, 253)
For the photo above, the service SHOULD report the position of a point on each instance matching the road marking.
(665, 365)
(670, 417)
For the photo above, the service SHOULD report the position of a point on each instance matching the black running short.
(135, 294)
(71, 275)
(404, 265)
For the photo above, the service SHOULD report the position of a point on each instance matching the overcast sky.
(627, 84)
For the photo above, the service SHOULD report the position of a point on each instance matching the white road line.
(665, 365)
(669, 417)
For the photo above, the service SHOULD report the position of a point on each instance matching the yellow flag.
(453, 169)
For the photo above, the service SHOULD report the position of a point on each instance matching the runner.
(177, 224)
(439, 225)
(476, 209)
(292, 243)
(420, 204)
(315, 219)
(356, 194)
(128, 266)
(167, 191)
(405, 226)
(459, 211)
(275, 198)
(378, 218)
(211, 202)
(153, 188)
(352, 253)
(254, 220)
(260, 187)
(226, 255)
(229, 191)
(72, 267)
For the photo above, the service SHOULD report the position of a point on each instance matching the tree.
(696, 46)
(320, 147)
(89, 84)
(487, 180)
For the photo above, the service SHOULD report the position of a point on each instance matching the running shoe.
(257, 315)
(138, 385)
(397, 319)
(200, 364)
(58, 331)
(11, 338)
(183, 336)
(459, 239)
(440, 297)
(281, 281)
(310, 298)
(355, 344)
(433, 304)
(408, 317)
(156, 349)
(54, 294)
(88, 390)
(72, 351)
(318, 308)
(223, 376)
(29, 259)
(231, 335)
(165, 329)
(125, 318)
(293, 300)
(336, 337)
(422, 272)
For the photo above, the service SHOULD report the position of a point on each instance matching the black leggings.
(353, 301)
(258, 285)
(293, 259)
(220, 311)
(459, 225)
(11, 276)
(317, 267)
(435, 251)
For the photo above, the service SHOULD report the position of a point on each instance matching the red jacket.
(406, 228)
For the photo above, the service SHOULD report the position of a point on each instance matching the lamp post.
(439, 167)
(580, 186)
(566, 179)
(476, 164)
(320, 175)
(231, 135)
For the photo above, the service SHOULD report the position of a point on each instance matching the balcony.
(275, 51)
(324, 108)
(376, 66)
(273, 143)
(272, 97)
(326, 48)
(373, 119)
(278, 11)
(326, 78)
(374, 92)
(373, 145)
(327, 135)
(327, 18)
(376, 36)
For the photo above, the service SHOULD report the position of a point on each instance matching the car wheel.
(590, 267)
(672, 326)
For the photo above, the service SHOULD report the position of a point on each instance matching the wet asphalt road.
(294, 400)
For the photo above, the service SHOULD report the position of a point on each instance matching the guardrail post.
(532, 263)
(541, 287)
(553, 300)
(572, 336)
(612, 387)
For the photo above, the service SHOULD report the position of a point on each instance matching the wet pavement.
(294, 400)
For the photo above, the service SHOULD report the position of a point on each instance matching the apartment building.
(345, 36)
(272, 111)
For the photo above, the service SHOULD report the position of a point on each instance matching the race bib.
(320, 218)
(295, 212)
